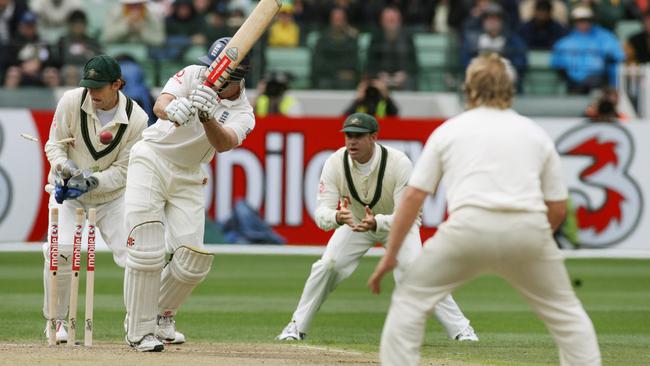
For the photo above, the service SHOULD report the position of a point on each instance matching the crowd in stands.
(46, 42)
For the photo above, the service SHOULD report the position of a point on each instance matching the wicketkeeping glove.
(63, 173)
(180, 111)
(81, 183)
(205, 100)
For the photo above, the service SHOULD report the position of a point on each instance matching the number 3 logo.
(5, 185)
(608, 202)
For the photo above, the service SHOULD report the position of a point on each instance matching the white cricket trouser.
(158, 190)
(341, 257)
(157, 193)
(517, 246)
(110, 224)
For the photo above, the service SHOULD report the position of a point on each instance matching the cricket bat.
(241, 43)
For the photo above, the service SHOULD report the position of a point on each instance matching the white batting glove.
(205, 100)
(180, 111)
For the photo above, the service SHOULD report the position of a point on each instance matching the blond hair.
(489, 82)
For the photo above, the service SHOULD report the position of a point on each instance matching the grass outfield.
(249, 299)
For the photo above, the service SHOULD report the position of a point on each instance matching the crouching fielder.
(87, 173)
(366, 180)
(164, 197)
(505, 195)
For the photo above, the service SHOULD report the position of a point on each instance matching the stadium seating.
(364, 42)
(296, 61)
(626, 28)
(138, 51)
(540, 79)
(435, 55)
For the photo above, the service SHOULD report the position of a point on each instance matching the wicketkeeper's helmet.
(216, 49)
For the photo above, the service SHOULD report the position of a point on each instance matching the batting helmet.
(216, 49)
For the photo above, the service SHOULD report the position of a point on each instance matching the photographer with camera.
(372, 98)
(272, 98)
(604, 108)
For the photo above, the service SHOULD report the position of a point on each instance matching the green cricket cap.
(360, 123)
(99, 71)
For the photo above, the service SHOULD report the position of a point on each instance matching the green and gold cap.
(99, 71)
(360, 123)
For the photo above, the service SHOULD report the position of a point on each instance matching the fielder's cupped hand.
(205, 100)
(180, 111)
(368, 223)
(385, 265)
(344, 215)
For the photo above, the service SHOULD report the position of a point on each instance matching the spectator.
(135, 86)
(559, 11)
(588, 56)
(473, 19)
(215, 26)
(495, 38)
(638, 45)
(284, 32)
(609, 12)
(132, 21)
(10, 13)
(441, 15)
(418, 14)
(391, 54)
(542, 31)
(273, 99)
(335, 59)
(30, 59)
(474, 22)
(183, 23)
(373, 98)
(202, 7)
(76, 47)
(52, 17)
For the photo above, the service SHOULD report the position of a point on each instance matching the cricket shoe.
(166, 330)
(291, 333)
(148, 343)
(61, 331)
(467, 334)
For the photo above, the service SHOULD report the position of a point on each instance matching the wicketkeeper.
(85, 172)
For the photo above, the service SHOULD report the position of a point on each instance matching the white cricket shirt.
(493, 159)
(108, 162)
(187, 146)
(334, 187)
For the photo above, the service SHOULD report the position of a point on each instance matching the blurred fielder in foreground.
(505, 196)
(90, 171)
(165, 209)
(360, 186)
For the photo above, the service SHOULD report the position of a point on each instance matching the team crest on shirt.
(224, 116)
(606, 200)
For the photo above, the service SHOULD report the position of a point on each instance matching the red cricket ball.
(105, 137)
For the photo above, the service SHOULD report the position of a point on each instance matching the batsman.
(88, 173)
(360, 186)
(165, 209)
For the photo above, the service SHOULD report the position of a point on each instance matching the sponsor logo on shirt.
(179, 75)
(224, 116)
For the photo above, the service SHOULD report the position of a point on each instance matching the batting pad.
(63, 276)
(144, 262)
(188, 267)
